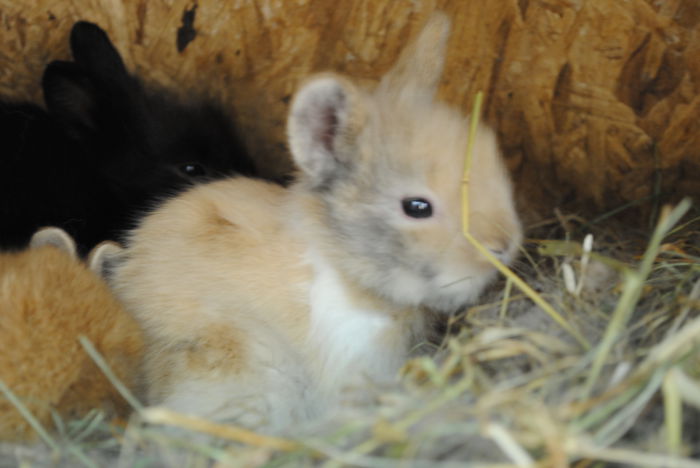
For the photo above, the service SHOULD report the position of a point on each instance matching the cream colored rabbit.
(48, 298)
(266, 305)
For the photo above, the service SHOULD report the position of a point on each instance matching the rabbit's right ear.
(96, 54)
(419, 66)
(326, 117)
(56, 237)
(104, 258)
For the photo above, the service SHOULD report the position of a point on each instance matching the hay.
(508, 387)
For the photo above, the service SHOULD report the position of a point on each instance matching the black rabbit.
(107, 148)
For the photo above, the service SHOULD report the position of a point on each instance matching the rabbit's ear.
(56, 237)
(96, 82)
(326, 117)
(104, 258)
(70, 94)
(419, 67)
(95, 53)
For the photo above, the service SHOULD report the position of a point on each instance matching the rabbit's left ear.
(104, 258)
(56, 237)
(326, 117)
(419, 67)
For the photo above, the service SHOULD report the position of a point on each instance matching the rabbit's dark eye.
(192, 170)
(417, 207)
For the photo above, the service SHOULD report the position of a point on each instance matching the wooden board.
(596, 102)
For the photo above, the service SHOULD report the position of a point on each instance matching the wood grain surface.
(596, 102)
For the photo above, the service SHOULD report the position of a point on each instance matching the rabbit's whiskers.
(452, 283)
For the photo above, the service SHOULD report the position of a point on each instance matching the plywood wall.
(597, 102)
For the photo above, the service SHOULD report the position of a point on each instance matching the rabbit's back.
(219, 240)
(206, 272)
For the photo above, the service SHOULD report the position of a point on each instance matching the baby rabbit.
(47, 300)
(106, 150)
(266, 305)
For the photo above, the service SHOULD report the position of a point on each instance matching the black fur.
(106, 150)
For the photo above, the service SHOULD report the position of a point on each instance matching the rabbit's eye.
(417, 207)
(192, 170)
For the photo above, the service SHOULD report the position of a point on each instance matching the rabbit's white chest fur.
(351, 342)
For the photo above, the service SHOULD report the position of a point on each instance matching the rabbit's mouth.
(438, 291)
(449, 294)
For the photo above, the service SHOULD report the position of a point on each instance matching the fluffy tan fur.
(226, 250)
(271, 305)
(47, 300)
